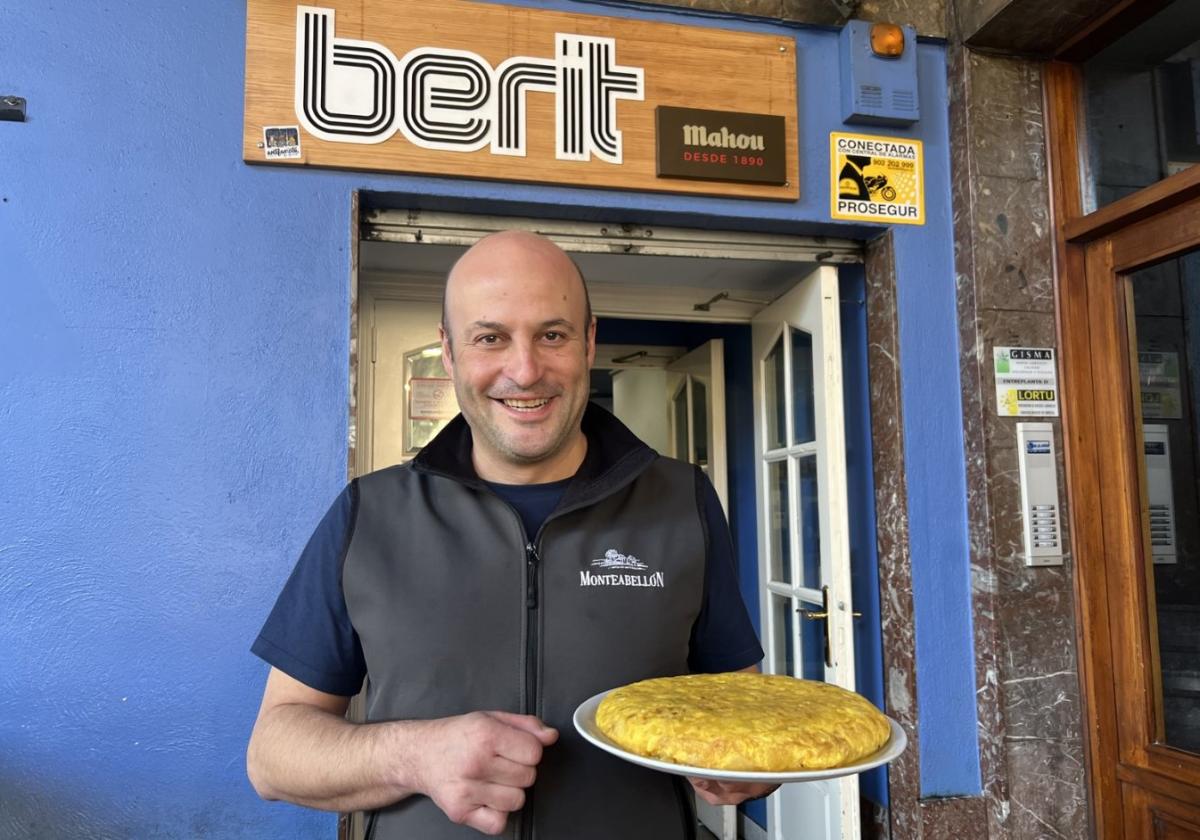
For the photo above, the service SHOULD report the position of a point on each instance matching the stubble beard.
(484, 426)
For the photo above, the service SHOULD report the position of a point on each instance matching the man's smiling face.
(518, 344)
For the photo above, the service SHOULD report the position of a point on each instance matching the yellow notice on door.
(876, 179)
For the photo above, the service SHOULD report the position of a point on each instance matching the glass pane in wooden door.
(810, 523)
(774, 389)
(1166, 322)
(779, 522)
(804, 396)
(783, 615)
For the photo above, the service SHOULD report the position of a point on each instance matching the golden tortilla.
(743, 721)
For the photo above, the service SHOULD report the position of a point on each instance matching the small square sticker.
(281, 141)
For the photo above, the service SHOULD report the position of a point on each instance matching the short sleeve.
(308, 634)
(723, 638)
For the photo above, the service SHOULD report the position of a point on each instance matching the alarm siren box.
(878, 89)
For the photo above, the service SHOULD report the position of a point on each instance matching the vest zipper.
(531, 589)
(531, 651)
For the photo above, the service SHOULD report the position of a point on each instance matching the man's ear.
(447, 353)
(591, 343)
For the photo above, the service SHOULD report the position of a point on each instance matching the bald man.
(532, 555)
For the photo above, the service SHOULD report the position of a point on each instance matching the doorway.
(1132, 339)
(675, 310)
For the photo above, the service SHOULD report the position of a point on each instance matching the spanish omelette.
(743, 721)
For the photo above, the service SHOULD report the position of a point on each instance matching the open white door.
(696, 395)
(697, 409)
(803, 530)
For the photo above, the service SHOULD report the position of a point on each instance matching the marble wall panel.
(990, 722)
(1013, 252)
(953, 818)
(891, 513)
(1005, 127)
(1048, 794)
(815, 11)
(928, 16)
(1028, 690)
(1036, 672)
(973, 15)
(876, 825)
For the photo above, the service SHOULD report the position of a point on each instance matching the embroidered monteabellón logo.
(620, 570)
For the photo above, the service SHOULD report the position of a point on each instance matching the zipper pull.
(531, 561)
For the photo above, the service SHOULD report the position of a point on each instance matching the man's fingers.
(485, 807)
(500, 797)
(716, 792)
(515, 744)
(514, 774)
(528, 723)
(486, 820)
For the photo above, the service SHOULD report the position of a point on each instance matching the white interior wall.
(401, 326)
(640, 400)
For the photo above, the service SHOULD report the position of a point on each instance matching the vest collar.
(615, 456)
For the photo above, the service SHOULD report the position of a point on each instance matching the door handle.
(823, 616)
(814, 615)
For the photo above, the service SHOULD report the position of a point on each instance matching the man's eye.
(555, 336)
(488, 339)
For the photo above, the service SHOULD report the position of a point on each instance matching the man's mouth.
(526, 405)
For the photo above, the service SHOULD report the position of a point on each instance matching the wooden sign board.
(449, 87)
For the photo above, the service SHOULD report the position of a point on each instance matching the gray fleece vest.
(459, 610)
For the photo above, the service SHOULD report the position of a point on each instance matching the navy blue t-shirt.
(309, 635)
(534, 502)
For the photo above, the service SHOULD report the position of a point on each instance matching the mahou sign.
(491, 91)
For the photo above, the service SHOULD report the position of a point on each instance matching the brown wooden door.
(1131, 363)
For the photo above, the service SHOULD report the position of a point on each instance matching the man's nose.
(524, 366)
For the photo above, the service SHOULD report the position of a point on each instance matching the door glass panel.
(773, 391)
(1166, 303)
(804, 422)
(430, 402)
(700, 422)
(679, 412)
(810, 524)
(783, 614)
(778, 522)
(1142, 97)
(812, 646)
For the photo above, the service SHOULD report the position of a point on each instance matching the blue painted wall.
(173, 389)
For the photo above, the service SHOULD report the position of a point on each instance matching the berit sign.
(454, 100)
(517, 93)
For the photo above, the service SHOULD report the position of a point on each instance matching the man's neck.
(563, 464)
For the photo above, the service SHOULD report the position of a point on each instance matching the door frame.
(422, 227)
(1117, 650)
(812, 306)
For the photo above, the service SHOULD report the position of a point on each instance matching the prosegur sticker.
(281, 141)
(1026, 381)
(876, 179)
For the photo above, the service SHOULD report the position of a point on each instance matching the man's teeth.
(527, 404)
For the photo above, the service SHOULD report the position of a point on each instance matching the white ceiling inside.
(614, 278)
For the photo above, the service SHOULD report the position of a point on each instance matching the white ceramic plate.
(585, 723)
